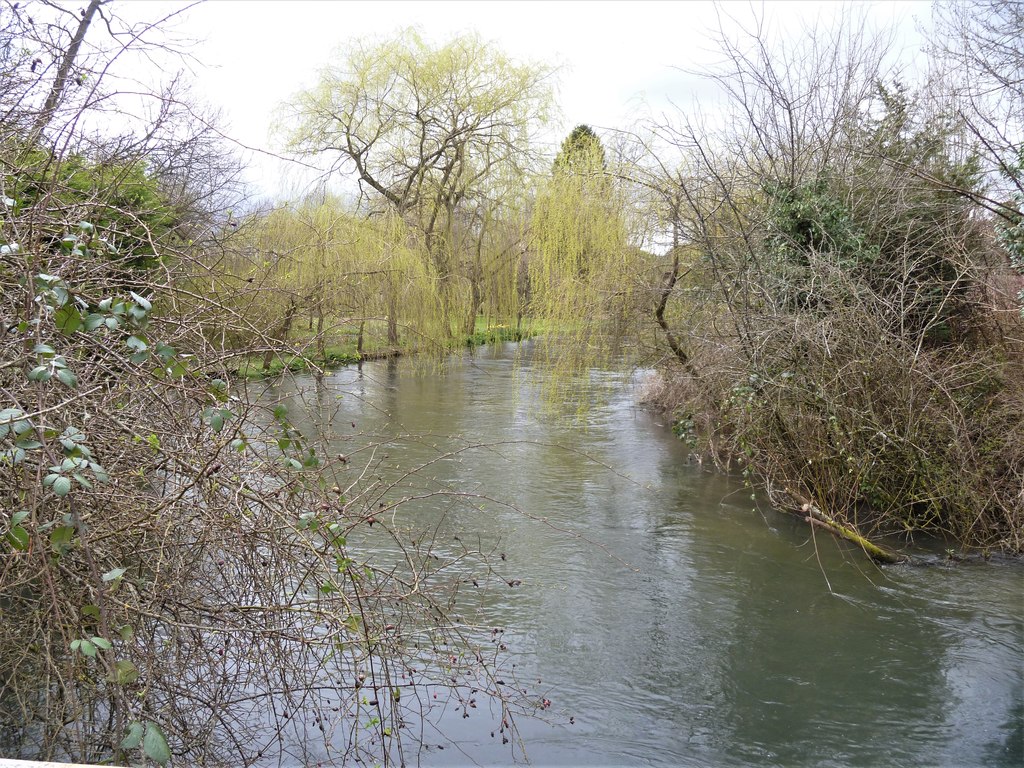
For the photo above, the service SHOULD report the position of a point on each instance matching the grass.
(344, 353)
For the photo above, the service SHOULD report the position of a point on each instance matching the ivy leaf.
(154, 744)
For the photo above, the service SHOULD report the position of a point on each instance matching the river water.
(669, 617)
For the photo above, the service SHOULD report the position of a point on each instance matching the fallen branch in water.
(815, 516)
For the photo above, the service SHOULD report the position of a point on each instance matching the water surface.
(674, 618)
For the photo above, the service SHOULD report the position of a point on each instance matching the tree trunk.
(392, 312)
(63, 71)
(282, 332)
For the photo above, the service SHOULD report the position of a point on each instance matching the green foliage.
(581, 152)
(1010, 231)
(118, 198)
(440, 136)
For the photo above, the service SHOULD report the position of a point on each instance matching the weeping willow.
(326, 275)
(588, 283)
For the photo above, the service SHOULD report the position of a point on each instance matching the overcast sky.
(617, 59)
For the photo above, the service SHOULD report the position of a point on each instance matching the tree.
(168, 542)
(581, 152)
(836, 312)
(587, 275)
(349, 274)
(425, 130)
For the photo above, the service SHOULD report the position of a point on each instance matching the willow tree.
(584, 272)
(426, 131)
(349, 274)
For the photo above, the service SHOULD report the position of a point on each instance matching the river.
(669, 616)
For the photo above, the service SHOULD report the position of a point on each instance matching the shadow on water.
(670, 618)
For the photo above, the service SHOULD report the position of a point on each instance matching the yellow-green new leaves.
(439, 135)
(584, 273)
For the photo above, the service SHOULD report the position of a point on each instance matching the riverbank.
(309, 356)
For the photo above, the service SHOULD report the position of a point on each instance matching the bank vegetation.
(826, 276)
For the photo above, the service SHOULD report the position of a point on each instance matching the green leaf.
(126, 632)
(67, 377)
(134, 736)
(60, 541)
(144, 303)
(91, 611)
(102, 643)
(62, 485)
(44, 350)
(93, 321)
(68, 319)
(17, 537)
(15, 455)
(124, 673)
(238, 444)
(87, 648)
(114, 574)
(28, 443)
(40, 373)
(154, 744)
(137, 344)
(216, 422)
(19, 517)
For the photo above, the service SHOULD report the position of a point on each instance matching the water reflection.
(673, 623)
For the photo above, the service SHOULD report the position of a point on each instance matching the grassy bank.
(310, 356)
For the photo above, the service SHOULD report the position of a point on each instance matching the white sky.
(617, 59)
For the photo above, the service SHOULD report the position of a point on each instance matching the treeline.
(826, 276)
(846, 297)
(175, 580)
(826, 272)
